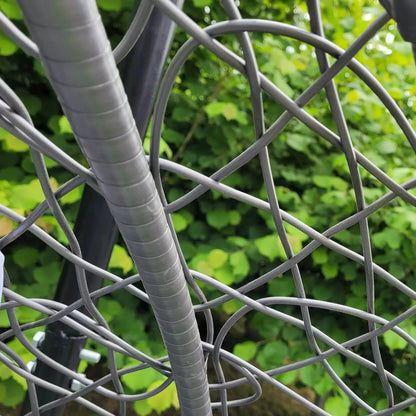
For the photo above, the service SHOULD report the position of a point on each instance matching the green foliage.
(272, 354)
(228, 110)
(120, 259)
(26, 196)
(165, 399)
(246, 350)
(218, 219)
(25, 256)
(201, 3)
(137, 382)
(11, 9)
(160, 402)
(7, 47)
(270, 246)
(310, 375)
(336, 406)
(394, 341)
(11, 393)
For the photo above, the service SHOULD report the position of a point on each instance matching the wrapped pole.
(95, 228)
(77, 57)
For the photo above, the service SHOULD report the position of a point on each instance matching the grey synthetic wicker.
(69, 38)
(77, 56)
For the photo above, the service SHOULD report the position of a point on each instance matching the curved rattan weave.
(108, 177)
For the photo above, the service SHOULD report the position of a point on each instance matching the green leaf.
(401, 174)
(388, 237)
(217, 258)
(246, 350)
(120, 259)
(188, 216)
(142, 407)
(353, 96)
(218, 219)
(7, 47)
(11, 9)
(336, 363)
(298, 142)
(21, 350)
(241, 266)
(394, 341)
(265, 325)
(324, 385)
(109, 308)
(179, 222)
(172, 136)
(201, 3)
(201, 264)
(295, 242)
(26, 196)
(25, 256)
(129, 324)
(295, 232)
(11, 143)
(397, 270)
(181, 114)
(272, 354)
(349, 271)
(31, 102)
(270, 246)
(164, 148)
(141, 380)
(329, 270)
(336, 406)
(5, 373)
(348, 23)
(198, 230)
(73, 196)
(357, 302)
(165, 399)
(329, 182)
(386, 147)
(231, 306)
(282, 286)
(290, 333)
(12, 393)
(352, 368)
(383, 404)
(4, 320)
(214, 109)
(288, 378)
(282, 83)
(401, 218)
(110, 5)
(64, 126)
(238, 241)
(224, 274)
(234, 217)
(320, 256)
(279, 60)
(37, 66)
(228, 110)
(310, 375)
(322, 292)
(47, 275)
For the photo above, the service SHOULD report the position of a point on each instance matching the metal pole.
(95, 228)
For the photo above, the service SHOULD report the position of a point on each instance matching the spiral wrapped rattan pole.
(78, 59)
